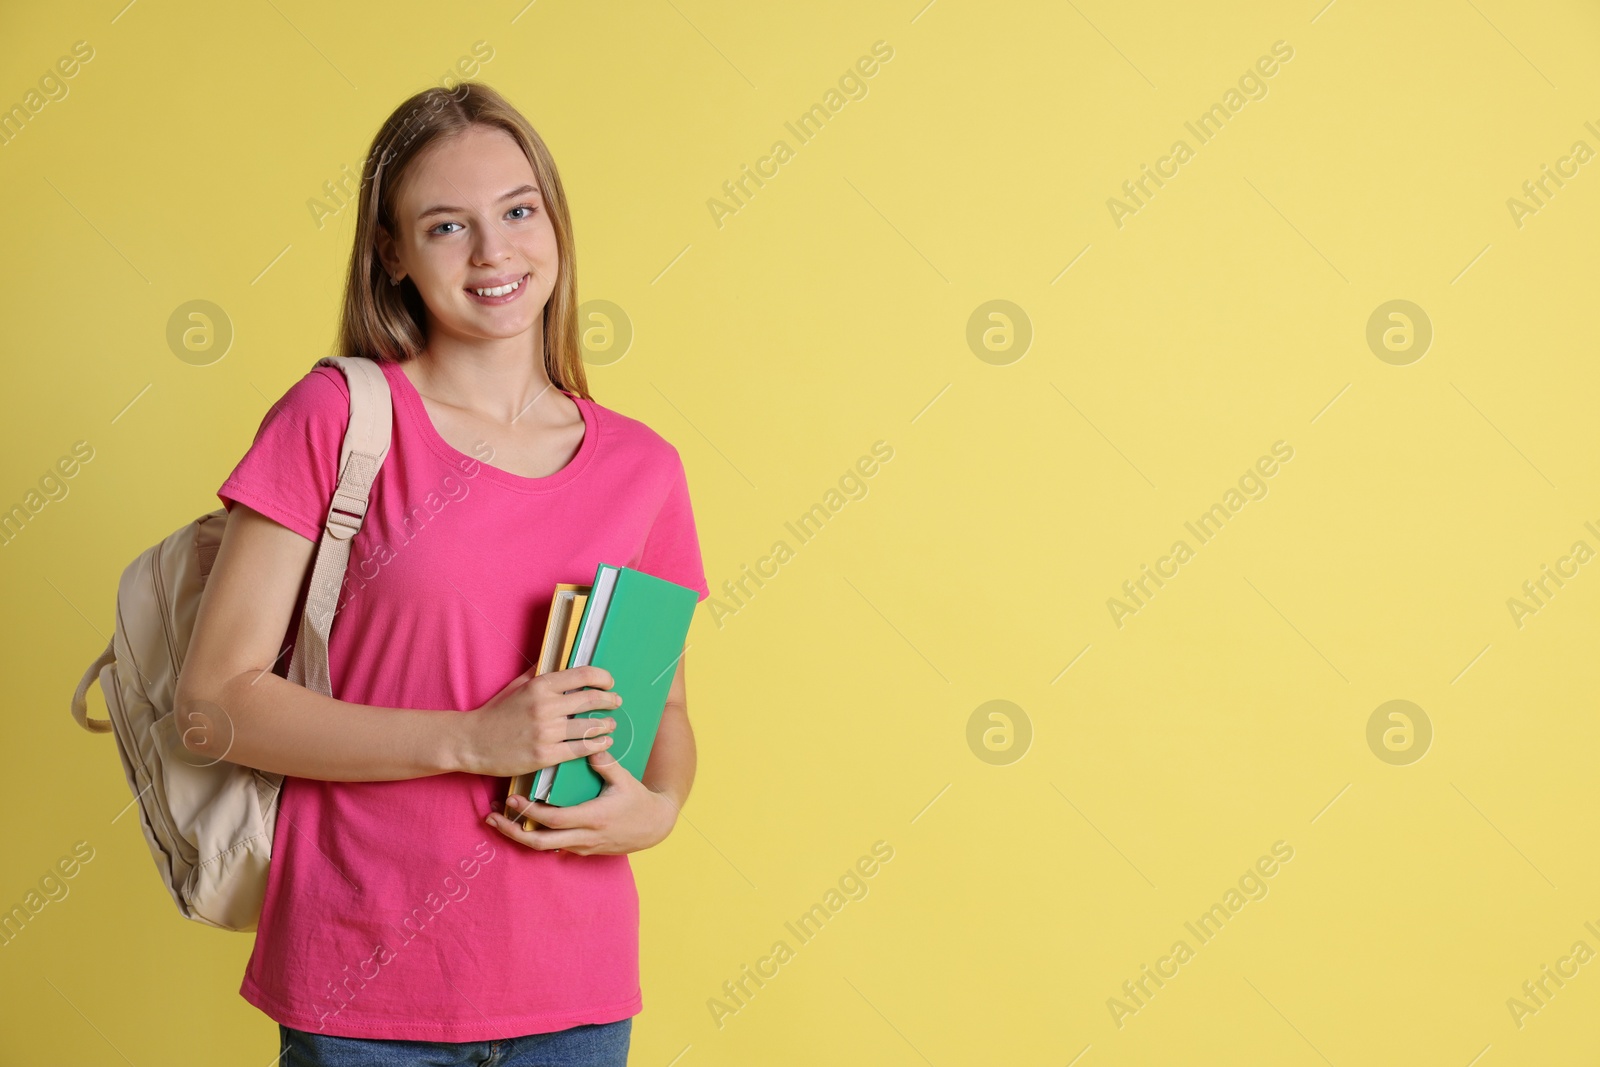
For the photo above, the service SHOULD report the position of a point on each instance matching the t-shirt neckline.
(411, 404)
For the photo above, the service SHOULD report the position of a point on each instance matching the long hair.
(388, 322)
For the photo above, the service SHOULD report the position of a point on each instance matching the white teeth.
(501, 290)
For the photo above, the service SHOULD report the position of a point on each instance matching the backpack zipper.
(166, 621)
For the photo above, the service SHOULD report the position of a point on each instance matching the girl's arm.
(230, 706)
(670, 771)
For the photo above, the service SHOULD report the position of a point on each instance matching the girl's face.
(468, 216)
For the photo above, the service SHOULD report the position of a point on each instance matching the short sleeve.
(672, 548)
(292, 467)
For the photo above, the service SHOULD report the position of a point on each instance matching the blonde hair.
(387, 322)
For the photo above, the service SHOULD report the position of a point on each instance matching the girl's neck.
(501, 383)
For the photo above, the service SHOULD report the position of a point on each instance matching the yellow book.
(566, 608)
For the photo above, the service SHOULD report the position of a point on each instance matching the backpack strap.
(80, 707)
(366, 443)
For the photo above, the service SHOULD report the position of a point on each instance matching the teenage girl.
(407, 919)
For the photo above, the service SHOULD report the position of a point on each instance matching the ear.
(386, 251)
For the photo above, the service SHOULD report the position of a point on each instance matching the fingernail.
(489, 819)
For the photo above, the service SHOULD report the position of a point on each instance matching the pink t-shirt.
(392, 910)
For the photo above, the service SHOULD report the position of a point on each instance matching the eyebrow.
(444, 209)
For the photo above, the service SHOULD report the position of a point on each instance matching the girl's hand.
(526, 726)
(627, 816)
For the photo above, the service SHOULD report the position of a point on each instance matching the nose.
(492, 245)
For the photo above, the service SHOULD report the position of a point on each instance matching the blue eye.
(529, 208)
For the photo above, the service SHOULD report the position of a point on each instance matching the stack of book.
(634, 625)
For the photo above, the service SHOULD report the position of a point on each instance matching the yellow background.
(833, 710)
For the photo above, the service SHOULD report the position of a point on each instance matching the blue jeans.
(590, 1045)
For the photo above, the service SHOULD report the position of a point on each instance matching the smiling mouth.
(500, 290)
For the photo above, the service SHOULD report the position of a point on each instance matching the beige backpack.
(208, 823)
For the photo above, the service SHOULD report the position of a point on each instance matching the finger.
(593, 814)
(579, 678)
(516, 683)
(543, 840)
(589, 726)
(579, 747)
(577, 702)
(610, 768)
(509, 823)
(549, 816)
(582, 700)
(516, 809)
(564, 840)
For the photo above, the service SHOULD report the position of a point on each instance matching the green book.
(634, 625)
